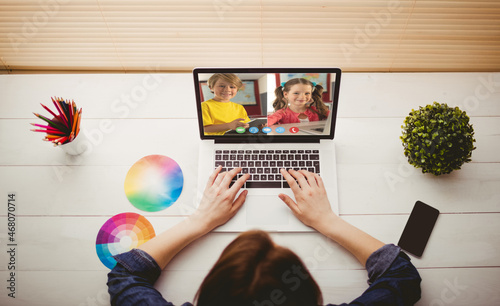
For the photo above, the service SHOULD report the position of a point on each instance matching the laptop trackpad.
(266, 210)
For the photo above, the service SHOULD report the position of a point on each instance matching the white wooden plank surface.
(395, 94)
(63, 201)
(172, 95)
(457, 286)
(101, 95)
(56, 243)
(122, 142)
(82, 288)
(382, 189)
(65, 245)
(376, 140)
(358, 141)
(393, 188)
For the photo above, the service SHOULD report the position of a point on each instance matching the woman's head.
(252, 270)
(224, 86)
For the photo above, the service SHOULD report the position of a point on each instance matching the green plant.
(438, 138)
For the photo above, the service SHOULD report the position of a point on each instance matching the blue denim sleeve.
(131, 282)
(392, 278)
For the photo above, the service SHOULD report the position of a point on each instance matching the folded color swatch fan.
(154, 183)
(120, 234)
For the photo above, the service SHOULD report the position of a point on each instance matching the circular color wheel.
(154, 183)
(121, 233)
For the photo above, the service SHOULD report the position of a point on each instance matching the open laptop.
(261, 150)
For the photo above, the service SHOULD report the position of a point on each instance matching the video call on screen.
(257, 95)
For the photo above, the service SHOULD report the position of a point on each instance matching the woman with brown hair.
(252, 270)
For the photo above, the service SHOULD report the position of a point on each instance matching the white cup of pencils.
(62, 130)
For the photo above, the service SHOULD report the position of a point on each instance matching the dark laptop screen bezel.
(267, 138)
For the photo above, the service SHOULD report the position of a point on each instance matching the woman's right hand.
(312, 206)
(313, 209)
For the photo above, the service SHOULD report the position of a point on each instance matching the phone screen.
(418, 228)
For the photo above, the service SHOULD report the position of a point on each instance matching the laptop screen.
(267, 104)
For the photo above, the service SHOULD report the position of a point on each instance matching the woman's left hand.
(218, 204)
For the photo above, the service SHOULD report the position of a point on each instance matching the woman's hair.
(228, 77)
(252, 270)
(317, 98)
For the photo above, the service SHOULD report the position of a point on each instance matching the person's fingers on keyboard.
(213, 176)
(301, 178)
(219, 179)
(239, 183)
(312, 179)
(319, 181)
(229, 176)
(290, 180)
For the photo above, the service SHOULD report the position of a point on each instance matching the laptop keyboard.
(264, 165)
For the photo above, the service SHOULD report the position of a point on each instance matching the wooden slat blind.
(160, 35)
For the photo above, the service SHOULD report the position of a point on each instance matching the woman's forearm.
(219, 204)
(359, 243)
(166, 245)
(313, 209)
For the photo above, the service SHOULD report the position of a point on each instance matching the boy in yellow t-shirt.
(219, 113)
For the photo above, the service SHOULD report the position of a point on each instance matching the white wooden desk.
(62, 202)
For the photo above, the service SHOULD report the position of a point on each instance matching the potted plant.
(438, 138)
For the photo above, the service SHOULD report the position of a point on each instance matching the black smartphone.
(418, 228)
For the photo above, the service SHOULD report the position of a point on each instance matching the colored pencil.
(78, 123)
(61, 140)
(52, 137)
(53, 132)
(65, 112)
(70, 111)
(48, 127)
(42, 126)
(48, 109)
(55, 124)
(60, 110)
(75, 122)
